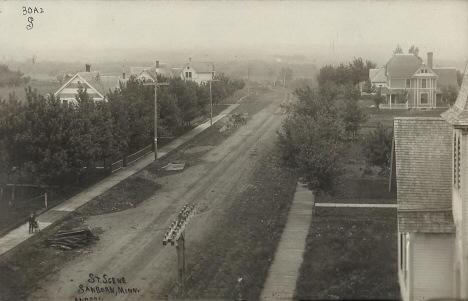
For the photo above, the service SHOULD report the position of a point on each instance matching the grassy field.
(43, 88)
(350, 254)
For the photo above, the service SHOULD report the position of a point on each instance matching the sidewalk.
(20, 234)
(283, 273)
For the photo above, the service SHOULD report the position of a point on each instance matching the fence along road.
(20, 234)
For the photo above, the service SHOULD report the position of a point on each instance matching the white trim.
(89, 85)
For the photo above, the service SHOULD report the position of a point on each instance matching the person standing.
(32, 220)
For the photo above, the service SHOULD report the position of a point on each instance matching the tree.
(402, 97)
(398, 49)
(311, 140)
(329, 91)
(351, 93)
(353, 117)
(9, 77)
(378, 98)
(377, 146)
(415, 50)
(449, 94)
(326, 74)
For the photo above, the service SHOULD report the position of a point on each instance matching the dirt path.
(131, 245)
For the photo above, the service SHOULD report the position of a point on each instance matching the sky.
(119, 30)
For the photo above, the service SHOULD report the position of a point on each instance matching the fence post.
(45, 200)
(124, 161)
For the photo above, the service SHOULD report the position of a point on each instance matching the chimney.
(88, 68)
(123, 71)
(189, 59)
(430, 56)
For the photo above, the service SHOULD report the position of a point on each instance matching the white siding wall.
(433, 266)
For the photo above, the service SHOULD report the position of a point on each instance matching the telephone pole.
(176, 236)
(156, 84)
(211, 102)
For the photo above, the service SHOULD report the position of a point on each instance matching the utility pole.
(176, 236)
(156, 84)
(211, 102)
(248, 74)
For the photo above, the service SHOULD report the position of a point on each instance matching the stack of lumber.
(67, 240)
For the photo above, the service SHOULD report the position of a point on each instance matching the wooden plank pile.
(67, 240)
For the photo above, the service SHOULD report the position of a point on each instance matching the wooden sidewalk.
(283, 273)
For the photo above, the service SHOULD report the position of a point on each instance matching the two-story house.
(200, 72)
(407, 82)
(430, 161)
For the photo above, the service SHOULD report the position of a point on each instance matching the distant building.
(150, 72)
(97, 85)
(405, 73)
(200, 72)
(430, 162)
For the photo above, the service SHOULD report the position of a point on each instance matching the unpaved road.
(131, 245)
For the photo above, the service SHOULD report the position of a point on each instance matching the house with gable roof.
(430, 163)
(200, 72)
(407, 82)
(143, 73)
(96, 85)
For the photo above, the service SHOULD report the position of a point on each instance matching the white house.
(407, 74)
(200, 72)
(430, 162)
(97, 86)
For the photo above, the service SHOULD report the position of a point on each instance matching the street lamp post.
(156, 84)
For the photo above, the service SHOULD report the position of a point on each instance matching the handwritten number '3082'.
(32, 10)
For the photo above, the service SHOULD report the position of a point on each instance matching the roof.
(164, 70)
(426, 221)
(372, 73)
(379, 76)
(446, 77)
(203, 67)
(424, 174)
(102, 84)
(176, 71)
(136, 70)
(386, 90)
(402, 66)
(457, 115)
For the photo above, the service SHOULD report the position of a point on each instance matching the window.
(403, 260)
(423, 83)
(408, 83)
(424, 98)
(188, 74)
(65, 102)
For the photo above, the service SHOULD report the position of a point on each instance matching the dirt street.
(131, 245)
